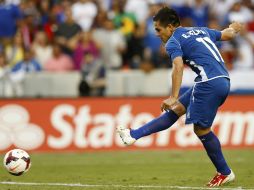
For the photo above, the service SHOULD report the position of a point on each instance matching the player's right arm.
(230, 32)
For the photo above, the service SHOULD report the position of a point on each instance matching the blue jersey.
(9, 14)
(196, 45)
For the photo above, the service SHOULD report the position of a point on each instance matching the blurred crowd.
(94, 36)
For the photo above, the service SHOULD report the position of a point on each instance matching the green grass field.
(128, 170)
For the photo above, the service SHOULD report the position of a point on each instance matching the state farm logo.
(16, 129)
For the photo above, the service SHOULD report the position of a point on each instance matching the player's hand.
(237, 26)
(168, 103)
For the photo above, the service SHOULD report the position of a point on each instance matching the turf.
(130, 170)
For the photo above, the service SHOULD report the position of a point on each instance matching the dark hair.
(167, 16)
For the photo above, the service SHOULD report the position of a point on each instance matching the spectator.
(5, 84)
(42, 49)
(50, 27)
(245, 48)
(240, 13)
(27, 65)
(29, 24)
(10, 85)
(250, 5)
(45, 10)
(93, 76)
(135, 48)
(67, 32)
(18, 72)
(69, 28)
(105, 5)
(99, 19)
(200, 13)
(124, 21)
(138, 8)
(244, 58)
(112, 43)
(86, 45)
(59, 8)
(219, 9)
(9, 17)
(59, 62)
(27, 30)
(15, 50)
(84, 12)
(151, 42)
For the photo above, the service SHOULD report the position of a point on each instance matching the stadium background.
(70, 71)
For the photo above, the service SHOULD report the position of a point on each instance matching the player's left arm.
(231, 32)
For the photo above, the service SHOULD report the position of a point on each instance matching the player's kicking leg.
(125, 135)
(164, 121)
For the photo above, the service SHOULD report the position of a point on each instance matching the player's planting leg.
(213, 148)
(220, 179)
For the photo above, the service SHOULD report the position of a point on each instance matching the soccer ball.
(17, 162)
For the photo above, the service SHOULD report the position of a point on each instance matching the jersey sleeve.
(173, 49)
(215, 35)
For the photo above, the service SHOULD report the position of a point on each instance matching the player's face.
(163, 32)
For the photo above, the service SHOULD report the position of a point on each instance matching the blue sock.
(160, 123)
(213, 149)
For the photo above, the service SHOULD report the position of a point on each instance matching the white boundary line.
(117, 186)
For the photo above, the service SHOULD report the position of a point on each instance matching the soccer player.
(194, 46)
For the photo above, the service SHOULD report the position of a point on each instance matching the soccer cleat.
(125, 135)
(220, 179)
